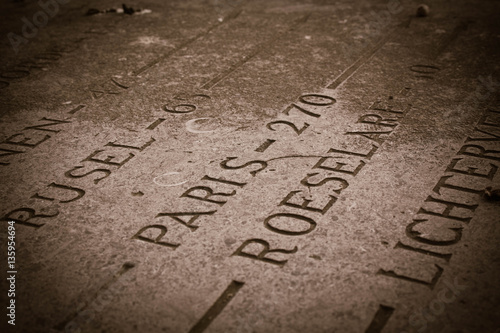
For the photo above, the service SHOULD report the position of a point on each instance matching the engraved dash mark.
(229, 17)
(75, 110)
(381, 317)
(155, 123)
(259, 48)
(265, 145)
(217, 307)
(125, 268)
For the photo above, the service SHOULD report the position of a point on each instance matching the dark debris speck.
(92, 11)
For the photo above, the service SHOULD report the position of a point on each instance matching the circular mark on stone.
(169, 179)
(202, 125)
(229, 241)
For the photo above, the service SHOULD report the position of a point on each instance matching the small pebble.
(92, 11)
(128, 265)
(422, 10)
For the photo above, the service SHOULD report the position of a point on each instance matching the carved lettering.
(449, 205)
(316, 99)
(70, 174)
(430, 284)
(472, 171)
(223, 181)
(307, 112)
(305, 203)
(289, 124)
(108, 160)
(51, 123)
(141, 148)
(492, 137)
(339, 167)
(342, 182)
(208, 193)
(442, 183)
(24, 141)
(181, 108)
(375, 119)
(157, 240)
(367, 155)
(9, 152)
(444, 256)
(263, 165)
(484, 119)
(189, 223)
(311, 222)
(371, 135)
(415, 235)
(79, 193)
(387, 108)
(262, 254)
(483, 153)
(17, 216)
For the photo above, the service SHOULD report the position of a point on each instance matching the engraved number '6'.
(181, 108)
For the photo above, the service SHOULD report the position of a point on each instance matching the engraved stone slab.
(250, 166)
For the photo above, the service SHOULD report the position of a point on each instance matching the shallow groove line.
(155, 123)
(217, 307)
(259, 48)
(462, 26)
(363, 59)
(125, 267)
(229, 17)
(296, 156)
(380, 319)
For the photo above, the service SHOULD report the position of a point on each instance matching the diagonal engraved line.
(125, 267)
(157, 122)
(462, 26)
(381, 317)
(230, 16)
(217, 307)
(262, 148)
(364, 58)
(259, 48)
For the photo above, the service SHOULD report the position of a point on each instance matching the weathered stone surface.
(251, 166)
